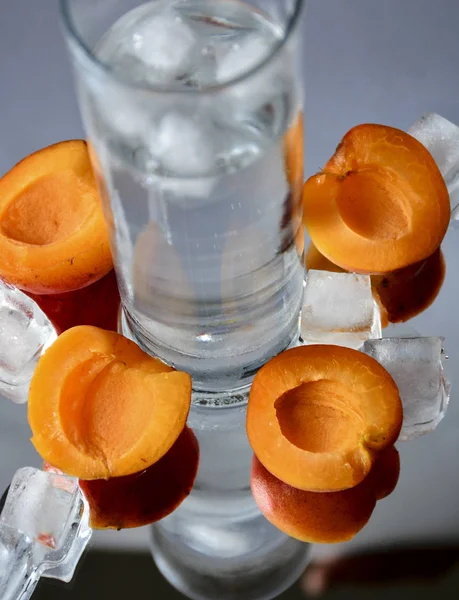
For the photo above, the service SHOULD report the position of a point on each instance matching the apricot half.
(319, 415)
(53, 236)
(145, 497)
(99, 407)
(380, 203)
(329, 517)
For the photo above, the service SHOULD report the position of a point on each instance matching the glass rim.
(72, 31)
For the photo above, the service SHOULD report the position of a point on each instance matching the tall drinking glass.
(193, 110)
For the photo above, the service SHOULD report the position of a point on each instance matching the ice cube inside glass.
(339, 308)
(416, 367)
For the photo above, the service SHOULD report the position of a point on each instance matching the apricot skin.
(314, 517)
(384, 475)
(380, 203)
(146, 497)
(97, 305)
(53, 236)
(408, 292)
(329, 517)
(318, 416)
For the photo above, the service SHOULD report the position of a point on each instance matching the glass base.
(249, 559)
(217, 544)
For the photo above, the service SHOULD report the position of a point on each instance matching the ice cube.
(441, 138)
(17, 572)
(44, 530)
(416, 367)
(62, 564)
(183, 145)
(25, 333)
(188, 193)
(242, 57)
(454, 200)
(41, 505)
(339, 309)
(164, 43)
(261, 95)
(123, 115)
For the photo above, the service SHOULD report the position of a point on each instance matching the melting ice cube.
(25, 333)
(44, 530)
(441, 138)
(164, 43)
(183, 145)
(148, 46)
(16, 565)
(188, 193)
(41, 505)
(416, 367)
(339, 309)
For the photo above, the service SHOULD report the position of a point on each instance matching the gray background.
(385, 61)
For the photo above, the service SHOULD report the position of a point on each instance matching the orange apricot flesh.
(319, 415)
(53, 236)
(100, 407)
(380, 203)
(146, 497)
(329, 517)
